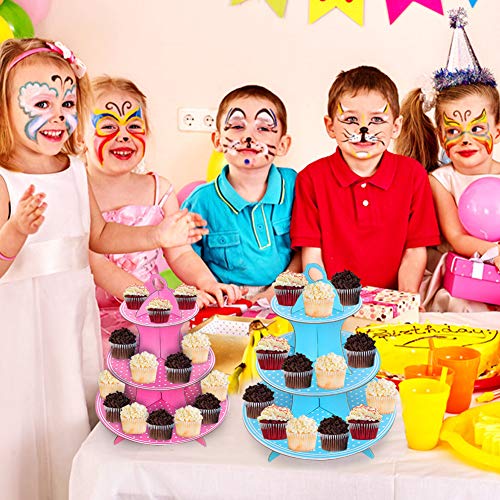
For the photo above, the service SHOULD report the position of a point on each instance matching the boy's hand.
(28, 216)
(218, 292)
(266, 294)
(181, 228)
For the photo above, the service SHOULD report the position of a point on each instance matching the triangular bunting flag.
(278, 6)
(396, 7)
(352, 8)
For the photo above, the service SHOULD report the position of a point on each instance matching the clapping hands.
(181, 228)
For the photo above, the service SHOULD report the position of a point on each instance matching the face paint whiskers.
(234, 147)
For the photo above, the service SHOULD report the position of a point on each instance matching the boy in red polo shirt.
(364, 208)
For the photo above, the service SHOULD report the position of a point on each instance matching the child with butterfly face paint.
(48, 221)
(115, 147)
(363, 208)
(248, 206)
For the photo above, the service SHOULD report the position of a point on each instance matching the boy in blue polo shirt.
(248, 207)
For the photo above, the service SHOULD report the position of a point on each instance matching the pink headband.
(76, 64)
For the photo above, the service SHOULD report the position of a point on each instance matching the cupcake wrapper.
(134, 303)
(105, 389)
(274, 431)
(160, 432)
(298, 380)
(158, 316)
(363, 430)
(330, 380)
(112, 414)
(288, 296)
(144, 375)
(133, 426)
(360, 359)
(254, 408)
(318, 308)
(187, 429)
(186, 303)
(197, 355)
(301, 442)
(122, 351)
(271, 360)
(384, 404)
(210, 416)
(334, 442)
(178, 375)
(349, 296)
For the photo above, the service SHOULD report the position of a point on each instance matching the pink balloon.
(36, 9)
(479, 208)
(187, 190)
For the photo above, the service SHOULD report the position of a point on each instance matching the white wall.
(190, 53)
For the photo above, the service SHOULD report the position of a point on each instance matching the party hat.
(462, 67)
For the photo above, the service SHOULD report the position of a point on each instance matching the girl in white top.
(48, 221)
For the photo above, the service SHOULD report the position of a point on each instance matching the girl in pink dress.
(114, 152)
(48, 220)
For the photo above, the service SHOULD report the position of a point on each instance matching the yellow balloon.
(5, 31)
(215, 165)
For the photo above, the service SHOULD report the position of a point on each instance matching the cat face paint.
(54, 103)
(250, 133)
(119, 122)
(459, 131)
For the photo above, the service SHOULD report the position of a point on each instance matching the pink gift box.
(468, 279)
(382, 304)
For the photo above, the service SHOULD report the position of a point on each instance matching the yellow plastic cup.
(428, 371)
(465, 362)
(424, 403)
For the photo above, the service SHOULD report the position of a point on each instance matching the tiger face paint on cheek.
(109, 123)
(457, 131)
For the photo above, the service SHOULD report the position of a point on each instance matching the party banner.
(278, 6)
(473, 3)
(396, 7)
(352, 8)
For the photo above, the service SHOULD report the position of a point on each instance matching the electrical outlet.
(196, 119)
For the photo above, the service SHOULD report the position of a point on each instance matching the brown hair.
(363, 78)
(419, 137)
(9, 50)
(253, 91)
(103, 83)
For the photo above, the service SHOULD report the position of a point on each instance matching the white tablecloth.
(234, 465)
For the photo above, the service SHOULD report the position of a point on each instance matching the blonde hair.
(9, 50)
(101, 84)
(419, 138)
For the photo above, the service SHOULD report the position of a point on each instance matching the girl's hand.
(181, 228)
(28, 216)
(496, 261)
(222, 291)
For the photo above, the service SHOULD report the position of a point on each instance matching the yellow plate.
(459, 433)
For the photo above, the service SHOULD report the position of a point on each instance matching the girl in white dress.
(48, 313)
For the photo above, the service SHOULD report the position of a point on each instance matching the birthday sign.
(353, 8)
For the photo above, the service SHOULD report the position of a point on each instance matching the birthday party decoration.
(37, 10)
(473, 3)
(5, 31)
(278, 6)
(352, 8)
(19, 22)
(479, 209)
(396, 7)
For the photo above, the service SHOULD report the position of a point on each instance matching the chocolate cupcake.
(186, 296)
(209, 406)
(135, 295)
(334, 434)
(348, 287)
(178, 368)
(160, 425)
(113, 403)
(123, 343)
(298, 371)
(256, 398)
(159, 310)
(288, 287)
(360, 350)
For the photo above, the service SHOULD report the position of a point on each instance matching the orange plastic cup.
(465, 362)
(428, 371)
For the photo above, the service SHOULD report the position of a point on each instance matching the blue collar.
(274, 195)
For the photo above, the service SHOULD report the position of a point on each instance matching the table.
(234, 465)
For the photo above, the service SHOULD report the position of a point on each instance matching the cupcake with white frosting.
(301, 433)
(382, 395)
(273, 420)
(135, 295)
(109, 384)
(330, 371)
(188, 421)
(133, 418)
(288, 287)
(196, 347)
(364, 422)
(272, 352)
(215, 383)
(186, 296)
(318, 299)
(159, 310)
(143, 367)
